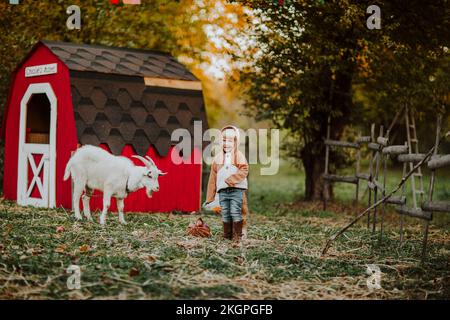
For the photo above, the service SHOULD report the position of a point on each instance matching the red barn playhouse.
(127, 101)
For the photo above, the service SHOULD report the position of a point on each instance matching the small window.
(38, 119)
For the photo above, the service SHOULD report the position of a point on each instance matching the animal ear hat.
(235, 129)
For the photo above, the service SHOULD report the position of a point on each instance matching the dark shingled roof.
(119, 110)
(112, 104)
(114, 60)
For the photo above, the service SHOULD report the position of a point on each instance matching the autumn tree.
(313, 52)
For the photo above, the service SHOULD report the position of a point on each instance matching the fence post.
(327, 155)
(431, 188)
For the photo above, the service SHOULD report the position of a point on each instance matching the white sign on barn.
(41, 70)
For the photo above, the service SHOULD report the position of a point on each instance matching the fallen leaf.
(61, 248)
(8, 229)
(84, 248)
(134, 272)
(60, 229)
(150, 258)
(240, 260)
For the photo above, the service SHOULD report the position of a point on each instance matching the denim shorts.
(231, 204)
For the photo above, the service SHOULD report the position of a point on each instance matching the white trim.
(22, 173)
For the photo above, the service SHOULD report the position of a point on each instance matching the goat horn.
(147, 163)
(150, 159)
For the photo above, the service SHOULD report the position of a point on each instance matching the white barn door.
(36, 167)
(38, 180)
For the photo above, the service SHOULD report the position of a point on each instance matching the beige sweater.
(238, 179)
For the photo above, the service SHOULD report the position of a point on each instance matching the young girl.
(228, 177)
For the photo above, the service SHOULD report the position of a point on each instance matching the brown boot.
(237, 231)
(227, 230)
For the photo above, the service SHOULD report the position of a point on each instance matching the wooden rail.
(342, 144)
(395, 150)
(330, 178)
(439, 162)
(338, 178)
(438, 206)
(398, 200)
(415, 213)
(413, 157)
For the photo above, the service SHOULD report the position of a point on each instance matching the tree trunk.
(313, 154)
(314, 165)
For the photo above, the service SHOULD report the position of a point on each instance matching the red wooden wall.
(180, 189)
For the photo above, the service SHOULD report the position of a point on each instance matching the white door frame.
(22, 173)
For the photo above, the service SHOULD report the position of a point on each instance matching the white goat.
(93, 168)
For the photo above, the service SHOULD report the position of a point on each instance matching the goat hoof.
(123, 222)
(78, 218)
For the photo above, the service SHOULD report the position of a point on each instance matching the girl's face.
(228, 140)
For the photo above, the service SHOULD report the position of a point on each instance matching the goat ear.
(162, 173)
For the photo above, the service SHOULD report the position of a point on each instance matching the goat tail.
(67, 172)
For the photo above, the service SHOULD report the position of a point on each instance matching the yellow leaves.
(363, 65)
(84, 248)
(81, 249)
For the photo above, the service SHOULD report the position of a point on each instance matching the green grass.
(153, 258)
